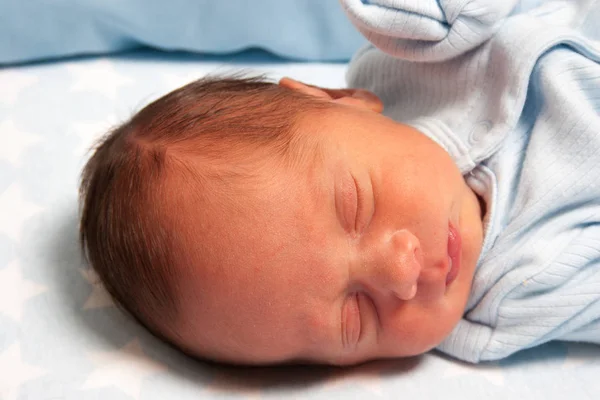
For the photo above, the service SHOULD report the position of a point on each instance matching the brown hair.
(123, 194)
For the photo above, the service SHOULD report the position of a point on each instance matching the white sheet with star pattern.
(61, 336)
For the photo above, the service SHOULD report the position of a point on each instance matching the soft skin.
(340, 258)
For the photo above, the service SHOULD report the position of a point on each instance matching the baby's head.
(253, 222)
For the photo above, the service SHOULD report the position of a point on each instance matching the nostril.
(412, 292)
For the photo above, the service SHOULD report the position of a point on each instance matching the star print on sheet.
(14, 291)
(97, 76)
(99, 298)
(14, 211)
(14, 142)
(12, 83)
(16, 373)
(90, 131)
(124, 369)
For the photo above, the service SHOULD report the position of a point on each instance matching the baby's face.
(365, 249)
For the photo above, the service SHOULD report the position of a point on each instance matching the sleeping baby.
(450, 200)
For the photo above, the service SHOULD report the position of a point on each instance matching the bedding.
(300, 29)
(61, 337)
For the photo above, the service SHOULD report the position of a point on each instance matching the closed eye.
(346, 202)
(364, 208)
(351, 321)
(359, 201)
(352, 203)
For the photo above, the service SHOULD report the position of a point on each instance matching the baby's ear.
(352, 97)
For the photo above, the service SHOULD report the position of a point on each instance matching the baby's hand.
(427, 30)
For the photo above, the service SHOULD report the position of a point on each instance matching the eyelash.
(363, 213)
(359, 201)
(349, 325)
(357, 300)
(362, 300)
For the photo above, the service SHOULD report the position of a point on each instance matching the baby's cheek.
(319, 330)
(419, 328)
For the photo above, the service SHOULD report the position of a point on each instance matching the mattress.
(61, 337)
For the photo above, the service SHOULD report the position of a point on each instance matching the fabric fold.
(427, 30)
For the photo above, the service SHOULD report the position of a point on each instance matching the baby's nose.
(399, 263)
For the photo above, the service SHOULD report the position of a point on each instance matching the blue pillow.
(300, 29)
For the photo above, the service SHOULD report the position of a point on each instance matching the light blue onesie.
(512, 91)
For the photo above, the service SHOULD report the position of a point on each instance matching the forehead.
(261, 272)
